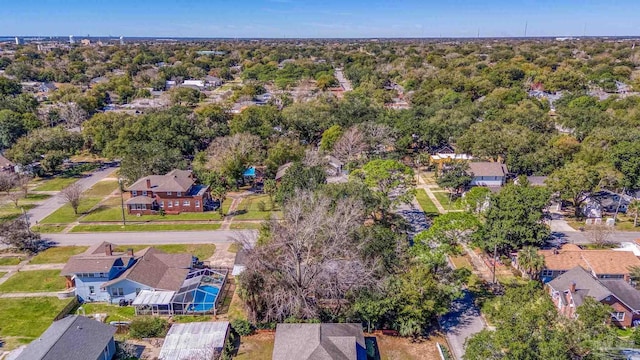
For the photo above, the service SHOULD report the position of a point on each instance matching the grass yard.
(400, 348)
(192, 318)
(54, 184)
(114, 312)
(25, 319)
(57, 255)
(10, 212)
(102, 188)
(250, 208)
(428, 177)
(2, 274)
(49, 229)
(144, 227)
(10, 260)
(256, 347)
(443, 199)
(65, 214)
(461, 262)
(426, 203)
(201, 251)
(34, 281)
(245, 226)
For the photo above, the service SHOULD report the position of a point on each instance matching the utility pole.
(124, 221)
(495, 254)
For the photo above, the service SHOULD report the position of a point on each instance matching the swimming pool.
(204, 298)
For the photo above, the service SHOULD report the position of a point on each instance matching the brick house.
(569, 290)
(602, 264)
(175, 192)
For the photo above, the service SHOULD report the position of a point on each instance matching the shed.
(196, 340)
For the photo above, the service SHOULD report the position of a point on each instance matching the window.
(179, 193)
(144, 193)
(134, 193)
(92, 290)
(117, 291)
(168, 192)
(176, 203)
(169, 203)
(547, 273)
(186, 203)
(197, 203)
(618, 316)
(161, 204)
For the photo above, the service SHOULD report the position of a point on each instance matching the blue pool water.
(205, 298)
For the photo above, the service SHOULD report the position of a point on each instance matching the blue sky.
(328, 18)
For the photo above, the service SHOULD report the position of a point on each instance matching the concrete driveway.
(461, 322)
(55, 202)
(153, 238)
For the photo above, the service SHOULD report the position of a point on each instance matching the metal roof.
(148, 297)
(197, 339)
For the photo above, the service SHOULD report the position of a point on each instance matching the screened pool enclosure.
(199, 294)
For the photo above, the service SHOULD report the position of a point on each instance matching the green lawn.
(201, 251)
(461, 262)
(54, 184)
(49, 229)
(249, 208)
(102, 188)
(425, 202)
(65, 214)
(144, 227)
(32, 198)
(111, 210)
(246, 226)
(114, 312)
(57, 255)
(191, 318)
(10, 212)
(256, 347)
(34, 281)
(443, 199)
(27, 318)
(11, 260)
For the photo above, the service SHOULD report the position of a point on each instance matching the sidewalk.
(30, 295)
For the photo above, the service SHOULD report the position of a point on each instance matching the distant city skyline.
(315, 19)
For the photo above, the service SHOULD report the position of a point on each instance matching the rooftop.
(174, 181)
(319, 342)
(196, 340)
(599, 261)
(488, 169)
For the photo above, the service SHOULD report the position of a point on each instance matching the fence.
(444, 352)
(67, 309)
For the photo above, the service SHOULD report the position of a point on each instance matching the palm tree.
(634, 209)
(531, 261)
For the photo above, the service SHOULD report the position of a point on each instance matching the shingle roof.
(140, 200)
(319, 342)
(95, 260)
(4, 162)
(488, 169)
(72, 338)
(283, 170)
(174, 181)
(586, 285)
(157, 270)
(599, 261)
(623, 291)
(194, 340)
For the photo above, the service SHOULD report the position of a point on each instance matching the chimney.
(107, 250)
(130, 252)
(148, 183)
(573, 287)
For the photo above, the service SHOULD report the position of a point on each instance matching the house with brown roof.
(602, 264)
(319, 342)
(103, 274)
(490, 174)
(569, 291)
(174, 193)
(6, 164)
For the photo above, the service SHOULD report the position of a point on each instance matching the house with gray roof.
(103, 274)
(196, 340)
(491, 174)
(173, 193)
(319, 342)
(569, 291)
(73, 338)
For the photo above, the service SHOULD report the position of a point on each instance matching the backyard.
(257, 207)
(114, 312)
(24, 319)
(34, 281)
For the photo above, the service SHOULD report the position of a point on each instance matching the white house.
(490, 174)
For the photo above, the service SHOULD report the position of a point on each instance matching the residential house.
(102, 274)
(212, 81)
(569, 290)
(169, 84)
(73, 338)
(174, 193)
(602, 264)
(47, 87)
(282, 170)
(334, 165)
(490, 174)
(196, 340)
(194, 84)
(6, 164)
(441, 159)
(605, 202)
(319, 342)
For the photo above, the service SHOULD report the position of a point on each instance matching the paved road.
(461, 323)
(580, 238)
(153, 238)
(55, 202)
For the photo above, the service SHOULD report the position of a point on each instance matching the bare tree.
(15, 197)
(73, 115)
(23, 183)
(312, 158)
(378, 136)
(7, 182)
(350, 145)
(310, 262)
(599, 234)
(16, 234)
(231, 154)
(72, 194)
